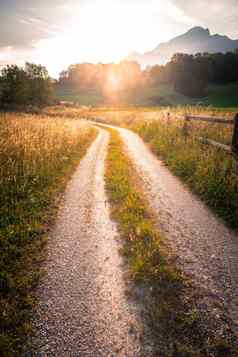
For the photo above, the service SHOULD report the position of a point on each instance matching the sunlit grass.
(211, 173)
(37, 156)
(142, 241)
(131, 116)
(176, 324)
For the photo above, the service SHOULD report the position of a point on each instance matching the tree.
(189, 74)
(15, 86)
(28, 86)
(157, 75)
(41, 89)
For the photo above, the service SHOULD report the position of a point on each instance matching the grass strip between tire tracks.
(176, 325)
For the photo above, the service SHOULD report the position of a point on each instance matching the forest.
(190, 75)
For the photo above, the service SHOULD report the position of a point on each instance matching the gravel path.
(206, 250)
(83, 309)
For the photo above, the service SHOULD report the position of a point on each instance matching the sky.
(57, 33)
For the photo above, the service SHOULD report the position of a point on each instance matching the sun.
(105, 29)
(100, 32)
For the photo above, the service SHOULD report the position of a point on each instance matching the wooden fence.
(233, 148)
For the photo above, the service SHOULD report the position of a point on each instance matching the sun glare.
(113, 82)
(105, 31)
(100, 32)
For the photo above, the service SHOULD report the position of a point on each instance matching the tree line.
(28, 86)
(109, 79)
(188, 74)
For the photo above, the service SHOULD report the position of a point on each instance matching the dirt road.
(83, 309)
(206, 250)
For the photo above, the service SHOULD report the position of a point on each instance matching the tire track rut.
(206, 250)
(83, 309)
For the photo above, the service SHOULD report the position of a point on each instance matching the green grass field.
(220, 96)
(92, 97)
(163, 95)
(223, 95)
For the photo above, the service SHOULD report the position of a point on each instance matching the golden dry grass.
(37, 156)
(177, 326)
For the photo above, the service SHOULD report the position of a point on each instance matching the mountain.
(195, 40)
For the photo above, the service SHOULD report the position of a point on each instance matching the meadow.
(89, 97)
(209, 172)
(219, 96)
(177, 327)
(37, 156)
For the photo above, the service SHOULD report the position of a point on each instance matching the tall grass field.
(210, 172)
(177, 327)
(37, 156)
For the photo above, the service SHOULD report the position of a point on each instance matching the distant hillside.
(195, 40)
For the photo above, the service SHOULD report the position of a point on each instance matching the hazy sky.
(57, 33)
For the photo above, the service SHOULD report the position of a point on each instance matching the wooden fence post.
(185, 126)
(235, 135)
(168, 118)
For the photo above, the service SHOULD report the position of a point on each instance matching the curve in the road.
(83, 309)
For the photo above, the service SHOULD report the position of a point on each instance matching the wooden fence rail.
(233, 148)
(234, 143)
(213, 120)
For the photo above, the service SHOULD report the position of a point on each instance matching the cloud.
(219, 15)
(58, 32)
(22, 23)
(25, 22)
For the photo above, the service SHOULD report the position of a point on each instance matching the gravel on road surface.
(83, 307)
(206, 250)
